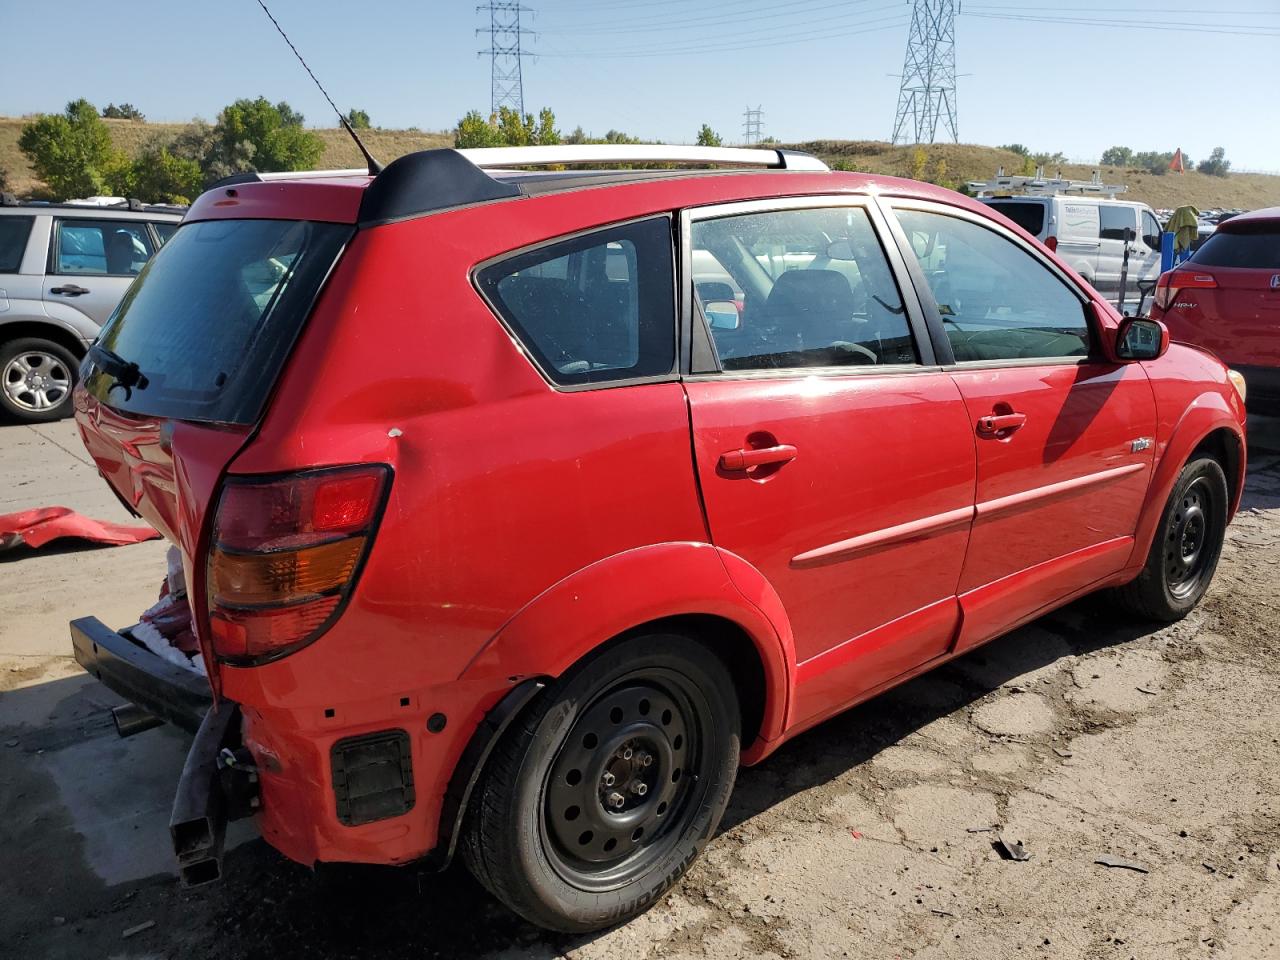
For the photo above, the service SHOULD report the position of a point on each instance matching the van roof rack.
(429, 180)
(1042, 186)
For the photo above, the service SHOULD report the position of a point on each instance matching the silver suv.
(63, 269)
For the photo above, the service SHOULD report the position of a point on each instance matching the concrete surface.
(1081, 735)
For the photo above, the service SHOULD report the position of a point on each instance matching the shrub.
(70, 151)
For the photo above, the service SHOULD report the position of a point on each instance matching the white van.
(1088, 233)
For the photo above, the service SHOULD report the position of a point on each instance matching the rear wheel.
(36, 377)
(604, 792)
(1187, 544)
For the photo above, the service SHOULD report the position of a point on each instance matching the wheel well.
(1223, 446)
(736, 650)
(47, 331)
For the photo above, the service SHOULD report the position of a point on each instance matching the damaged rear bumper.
(218, 781)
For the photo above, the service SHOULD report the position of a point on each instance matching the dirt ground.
(1084, 735)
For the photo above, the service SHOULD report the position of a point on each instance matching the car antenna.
(375, 167)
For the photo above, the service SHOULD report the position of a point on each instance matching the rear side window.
(164, 231)
(117, 248)
(1029, 216)
(594, 309)
(13, 242)
(1114, 220)
(211, 318)
(1257, 249)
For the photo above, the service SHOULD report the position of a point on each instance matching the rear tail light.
(285, 555)
(1173, 282)
(1051, 243)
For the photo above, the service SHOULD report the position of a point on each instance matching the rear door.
(834, 455)
(92, 263)
(1063, 436)
(1077, 233)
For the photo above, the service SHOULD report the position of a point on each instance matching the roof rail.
(498, 157)
(1042, 186)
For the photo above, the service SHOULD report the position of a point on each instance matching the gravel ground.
(1083, 736)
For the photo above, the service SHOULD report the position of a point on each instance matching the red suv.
(515, 508)
(1227, 298)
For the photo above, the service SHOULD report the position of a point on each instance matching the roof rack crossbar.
(489, 158)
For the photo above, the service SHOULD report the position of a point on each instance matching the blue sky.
(819, 68)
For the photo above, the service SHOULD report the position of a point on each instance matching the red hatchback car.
(1226, 298)
(516, 508)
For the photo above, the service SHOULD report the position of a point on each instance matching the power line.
(669, 23)
(1233, 29)
(506, 74)
(1162, 11)
(927, 93)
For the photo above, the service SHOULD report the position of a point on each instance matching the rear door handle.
(69, 290)
(757, 457)
(1001, 423)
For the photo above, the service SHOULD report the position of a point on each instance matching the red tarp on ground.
(37, 527)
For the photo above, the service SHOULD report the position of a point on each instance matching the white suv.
(63, 269)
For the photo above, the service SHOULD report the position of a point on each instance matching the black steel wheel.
(605, 791)
(1184, 553)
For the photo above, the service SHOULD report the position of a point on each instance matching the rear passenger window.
(816, 291)
(13, 242)
(164, 231)
(116, 248)
(592, 309)
(996, 301)
(1114, 220)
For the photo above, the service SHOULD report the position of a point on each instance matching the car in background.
(1226, 298)
(63, 269)
(1089, 234)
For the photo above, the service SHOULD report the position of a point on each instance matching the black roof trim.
(247, 177)
(426, 181)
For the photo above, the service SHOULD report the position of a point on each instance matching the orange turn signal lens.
(285, 576)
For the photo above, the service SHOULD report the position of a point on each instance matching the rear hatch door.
(1239, 319)
(179, 378)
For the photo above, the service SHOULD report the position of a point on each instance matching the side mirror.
(1139, 338)
(722, 314)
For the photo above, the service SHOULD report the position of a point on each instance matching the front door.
(92, 263)
(1064, 437)
(834, 456)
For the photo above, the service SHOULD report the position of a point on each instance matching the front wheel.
(603, 793)
(36, 377)
(1187, 544)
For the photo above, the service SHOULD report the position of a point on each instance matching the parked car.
(534, 580)
(1226, 298)
(63, 269)
(1088, 233)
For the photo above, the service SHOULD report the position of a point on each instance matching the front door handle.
(69, 290)
(757, 457)
(1001, 423)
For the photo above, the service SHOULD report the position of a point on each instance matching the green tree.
(508, 128)
(547, 133)
(1154, 161)
(475, 131)
(158, 175)
(1017, 148)
(256, 135)
(1216, 166)
(125, 111)
(358, 119)
(918, 160)
(708, 137)
(1117, 157)
(70, 151)
(1048, 159)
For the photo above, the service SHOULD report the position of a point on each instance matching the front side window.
(1114, 220)
(13, 242)
(592, 309)
(1150, 230)
(116, 248)
(996, 301)
(799, 288)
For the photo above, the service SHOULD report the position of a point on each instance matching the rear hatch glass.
(212, 317)
(1256, 248)
(1029, 216)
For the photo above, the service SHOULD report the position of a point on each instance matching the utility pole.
(928, 90)
(505, 55)
(751, 126)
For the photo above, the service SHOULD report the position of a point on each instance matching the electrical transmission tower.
(505, 55)
(751, 126)
(928, 90)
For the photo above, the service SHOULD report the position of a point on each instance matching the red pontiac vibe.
(516, 507)
(1226, 298)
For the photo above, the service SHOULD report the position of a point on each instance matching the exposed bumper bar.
(162, 689)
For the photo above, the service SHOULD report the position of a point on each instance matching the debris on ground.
(37, 527)
(133, 931)
(1109, 861)
(1011, 851)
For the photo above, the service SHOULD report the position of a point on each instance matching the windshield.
(212, 316)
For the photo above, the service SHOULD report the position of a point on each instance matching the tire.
(567, 848)
(1184, 553)
(36, 378)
